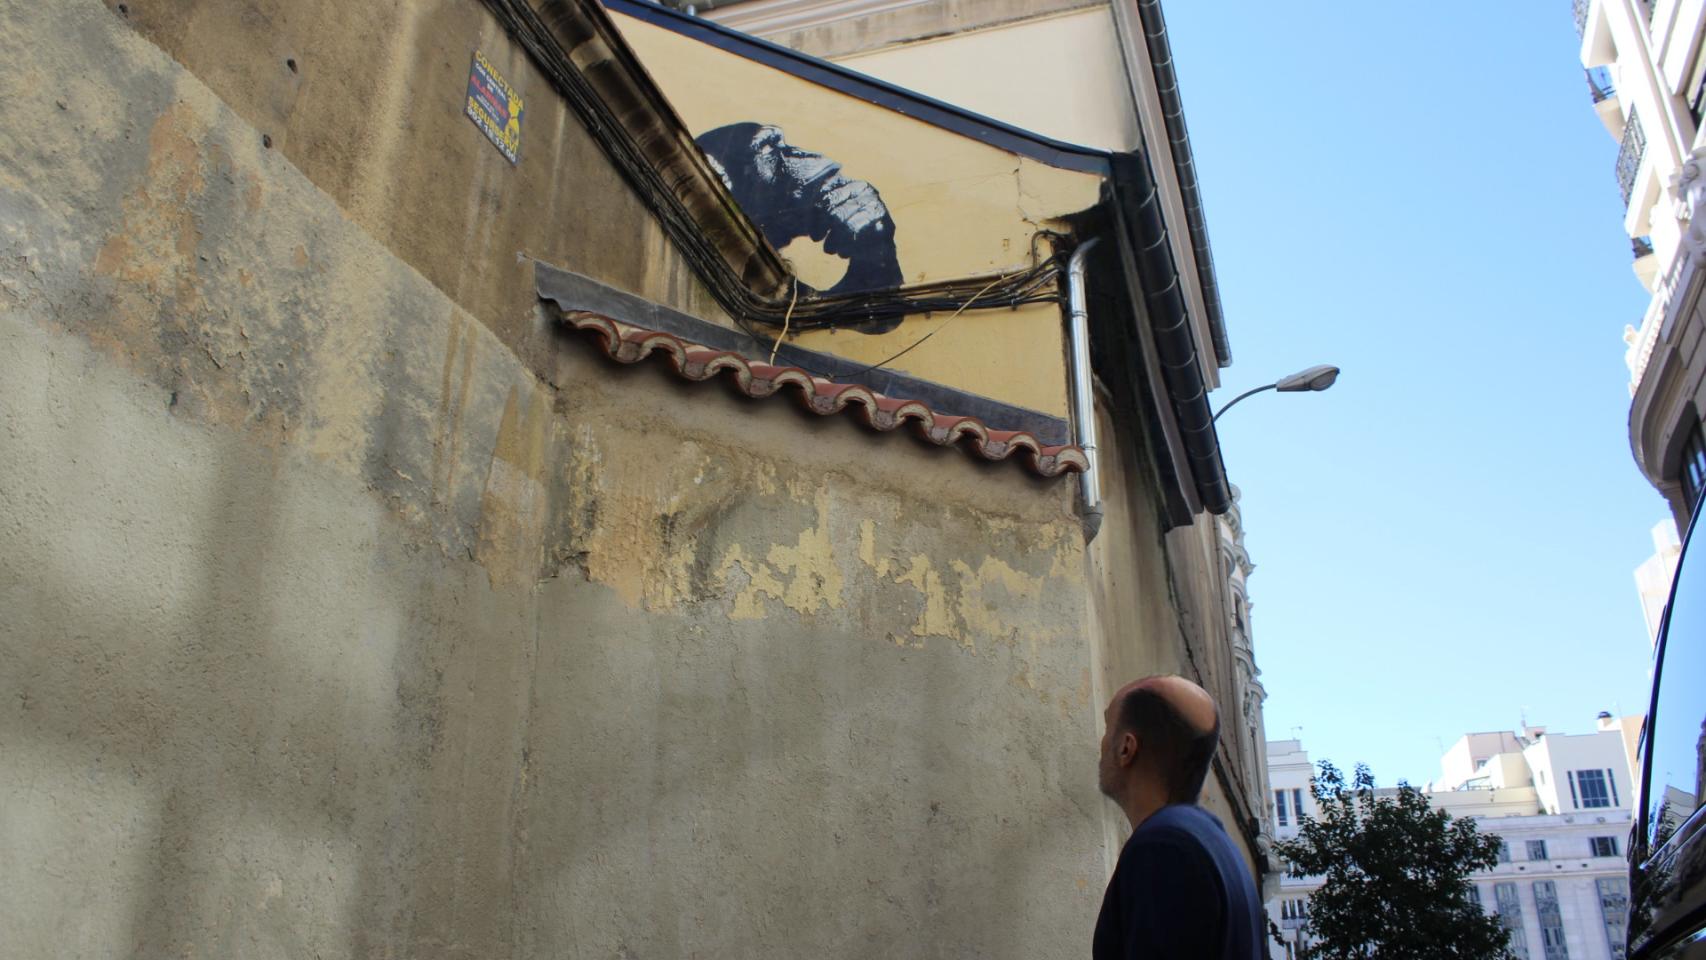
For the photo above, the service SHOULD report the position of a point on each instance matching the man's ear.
(1127, 751)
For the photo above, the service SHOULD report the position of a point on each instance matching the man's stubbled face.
(790, 193)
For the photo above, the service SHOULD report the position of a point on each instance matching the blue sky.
(1422, 194)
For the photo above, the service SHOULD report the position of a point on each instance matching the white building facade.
(1289, 802)
(1647, 79)
(1654, 575)
(1562, 805)
(1247, 733)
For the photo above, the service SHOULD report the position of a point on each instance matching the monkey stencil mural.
(790, 192)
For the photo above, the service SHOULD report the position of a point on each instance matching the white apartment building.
(1561, 803)
(1653, 576)
(1290, 800)
(1647, 79)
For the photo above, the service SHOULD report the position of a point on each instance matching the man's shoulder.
(1182, 833)
(1180, 820)
(1171, 836)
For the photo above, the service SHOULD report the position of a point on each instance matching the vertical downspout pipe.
(1083, 399)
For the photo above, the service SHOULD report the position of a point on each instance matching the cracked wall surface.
(353, 610)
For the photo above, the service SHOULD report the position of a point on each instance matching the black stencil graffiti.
(790, 192)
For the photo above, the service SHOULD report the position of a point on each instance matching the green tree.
(1395, 876)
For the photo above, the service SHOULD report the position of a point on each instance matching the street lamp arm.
(1247, 393)
(1315, 379)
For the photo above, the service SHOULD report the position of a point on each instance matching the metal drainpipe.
(1083, 400)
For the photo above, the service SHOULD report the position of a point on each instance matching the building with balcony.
(1562, 805)
(1647, 82)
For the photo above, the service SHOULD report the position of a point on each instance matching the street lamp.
(1314, 379)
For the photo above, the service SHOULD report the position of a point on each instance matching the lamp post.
(1313, 379)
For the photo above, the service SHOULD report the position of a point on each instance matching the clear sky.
(1423, 195)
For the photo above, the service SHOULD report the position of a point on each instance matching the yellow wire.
(786, 319)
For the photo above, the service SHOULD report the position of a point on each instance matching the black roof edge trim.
(1055, 153)
(1184, 164)
(1177, 491)
(1134, 190)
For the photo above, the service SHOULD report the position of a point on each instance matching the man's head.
(1160, 740)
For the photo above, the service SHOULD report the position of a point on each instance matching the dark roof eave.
(1184, 165)
(1138, 196)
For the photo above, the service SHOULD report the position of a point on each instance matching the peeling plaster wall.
(352, 610)
(365, 100)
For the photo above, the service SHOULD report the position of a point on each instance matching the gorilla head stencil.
(791, 193)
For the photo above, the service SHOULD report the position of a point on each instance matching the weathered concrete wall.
(366, 101)
(350, 610)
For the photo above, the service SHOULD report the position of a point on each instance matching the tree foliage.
(1395, 875)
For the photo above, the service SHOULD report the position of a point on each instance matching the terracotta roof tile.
(626, 343)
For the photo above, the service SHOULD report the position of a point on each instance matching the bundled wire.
(1035, 284)
(802, 309)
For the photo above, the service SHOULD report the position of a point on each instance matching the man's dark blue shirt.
(1181, 891)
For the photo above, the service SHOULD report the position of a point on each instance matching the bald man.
(1181, 890)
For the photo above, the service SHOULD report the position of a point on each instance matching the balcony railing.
(1582, 16)
(1642, 340)
(1629, 156)
(1599, 84)
(1641, 247)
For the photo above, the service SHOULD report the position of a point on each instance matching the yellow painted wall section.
(988, 71)
(961, 209)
